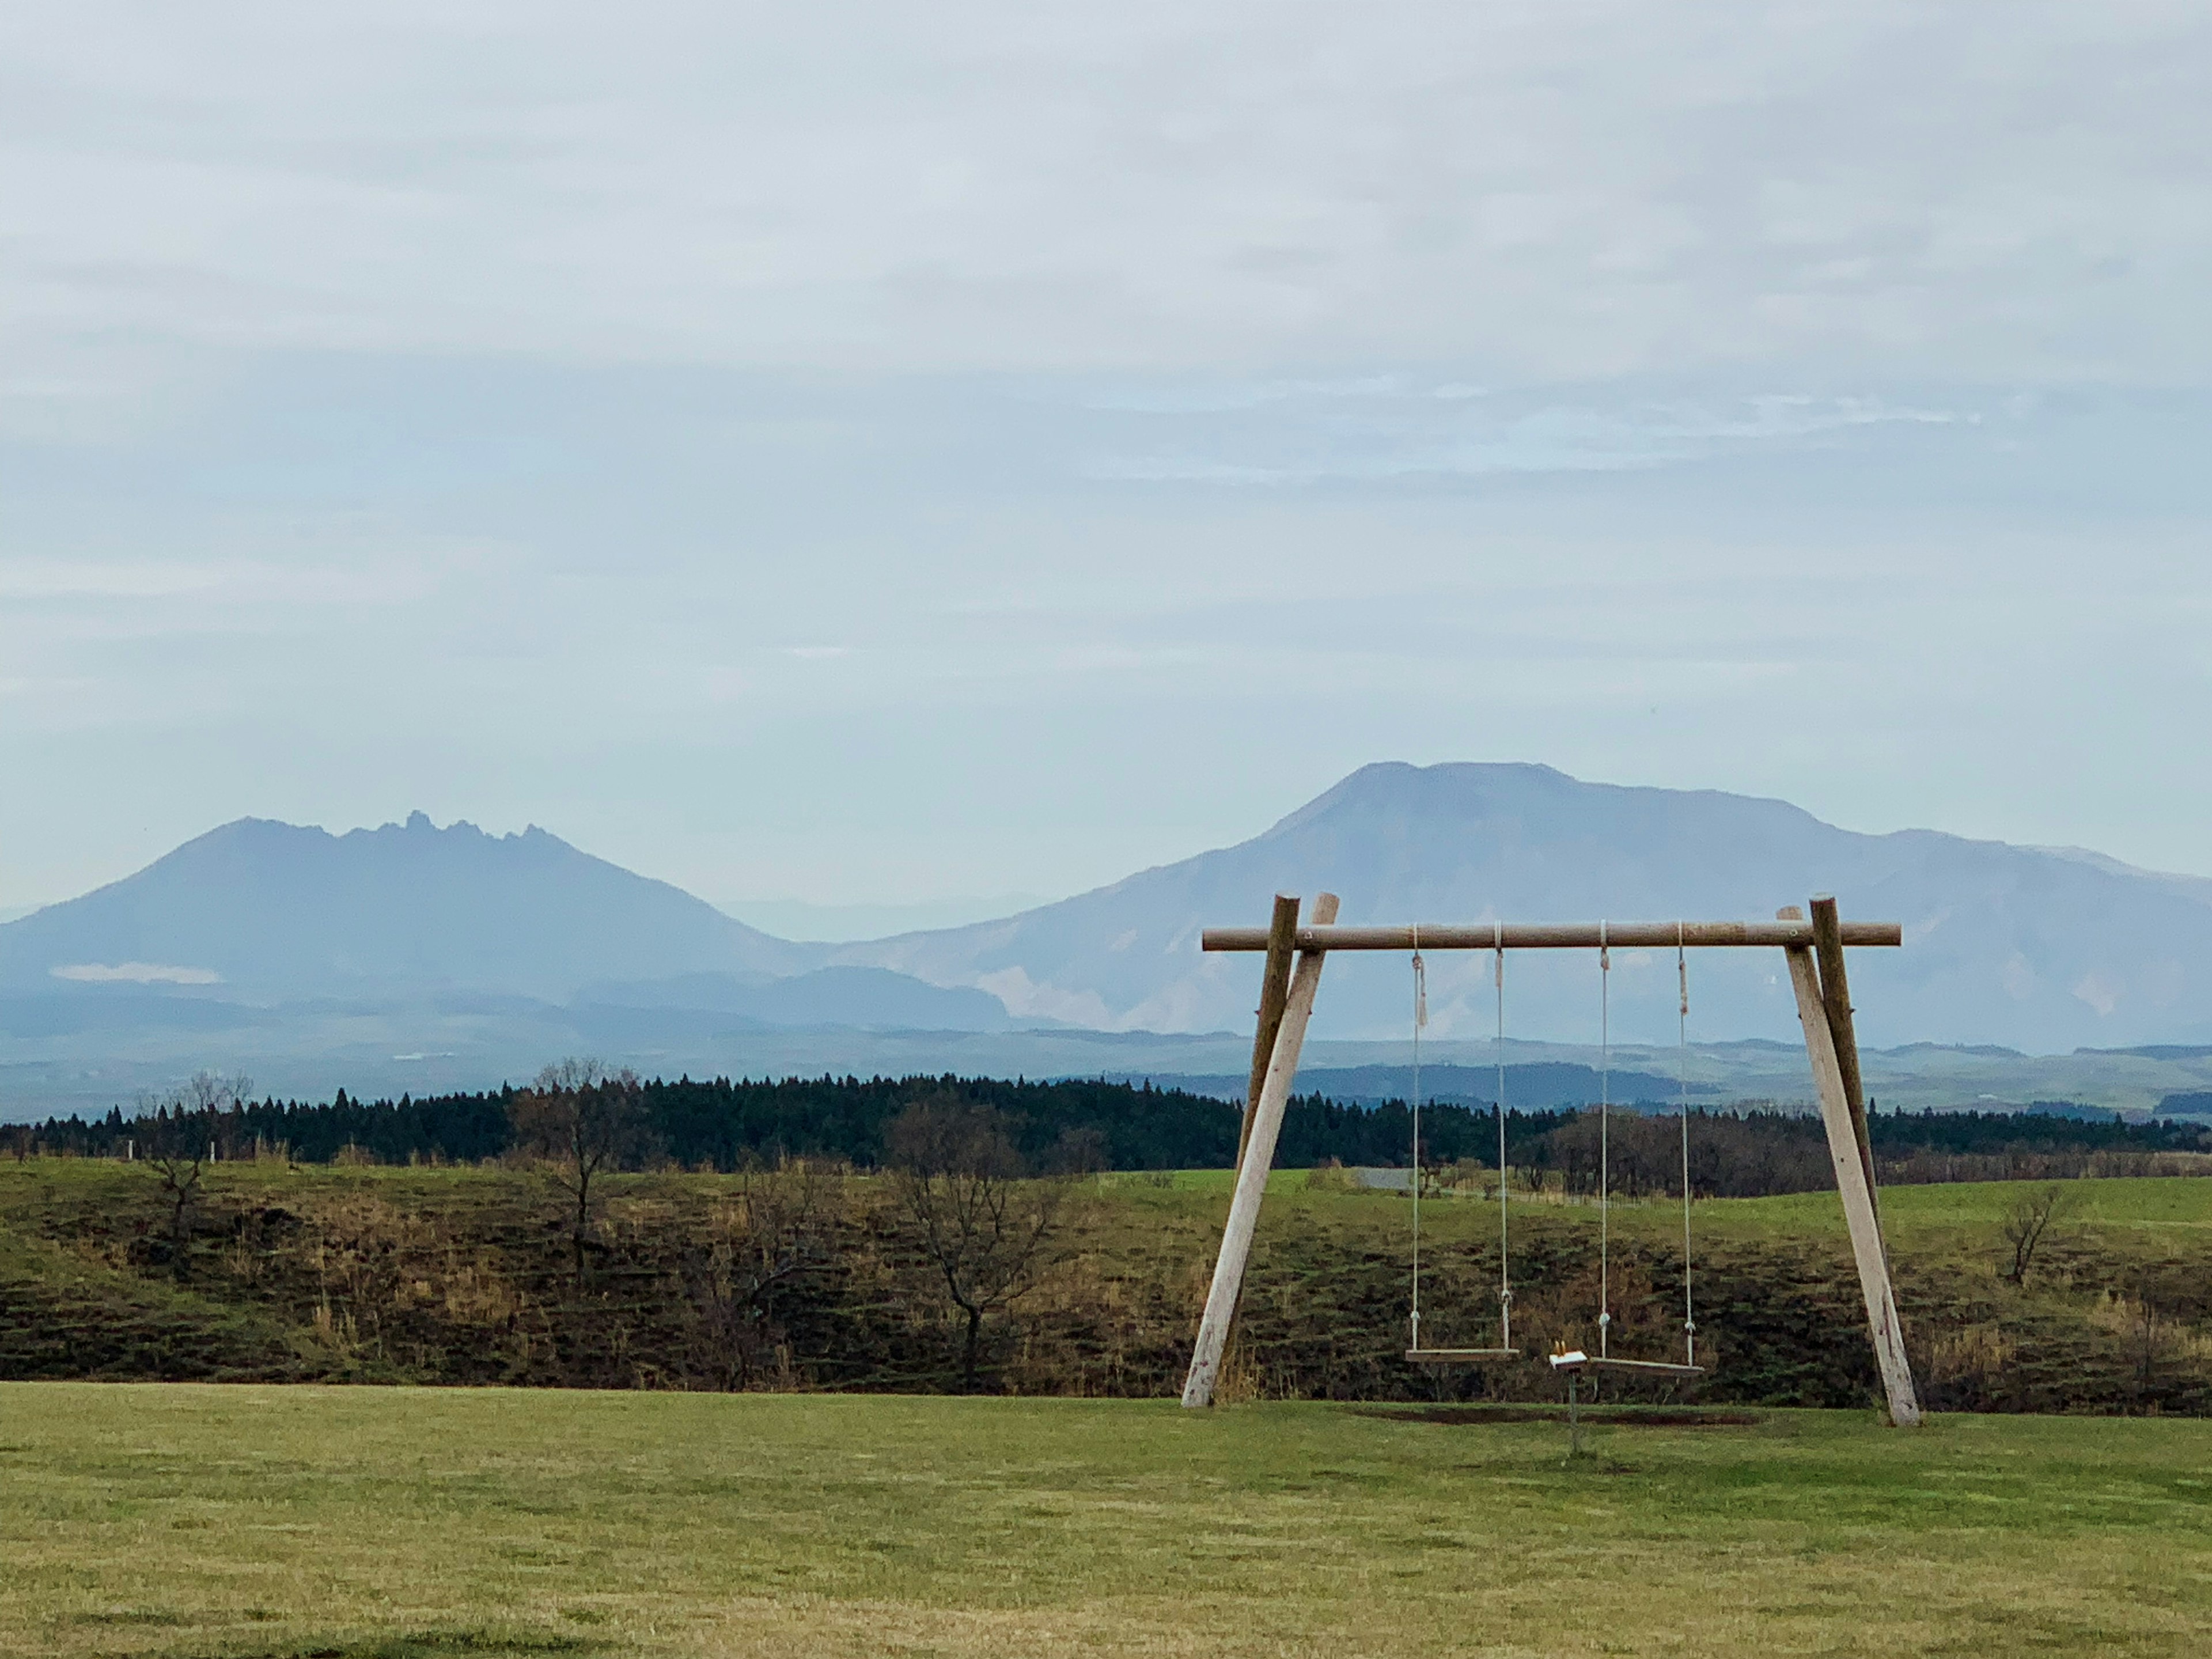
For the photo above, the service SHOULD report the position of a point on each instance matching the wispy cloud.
(1393, 433)
(1555, 190)
(135, 973)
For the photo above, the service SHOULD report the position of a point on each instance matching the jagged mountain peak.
(282, 911)
(2035, 949)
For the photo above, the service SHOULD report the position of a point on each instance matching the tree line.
(727, 1125)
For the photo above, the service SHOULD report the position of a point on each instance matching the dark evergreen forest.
(729, 1125)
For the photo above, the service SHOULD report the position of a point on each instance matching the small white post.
(1252, 1174)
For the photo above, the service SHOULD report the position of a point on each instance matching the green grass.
(2180, 1202)
(211, 1520)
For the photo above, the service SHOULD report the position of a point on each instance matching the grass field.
(246, 1521)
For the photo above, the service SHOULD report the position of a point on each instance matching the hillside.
(459, 1276)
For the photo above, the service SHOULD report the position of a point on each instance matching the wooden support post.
(1852, 1183)
(1274, 991)
(1252, 1173)
(1836, 997)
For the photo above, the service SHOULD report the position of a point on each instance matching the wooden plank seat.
(1459, 1356)
(1574, 1359)
(1643, 1367)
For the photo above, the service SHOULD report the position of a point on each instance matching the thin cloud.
(135, 973)
(1624, 186)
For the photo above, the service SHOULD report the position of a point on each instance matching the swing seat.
(1576, 1360)
(1644, 1367)
(1459, 1356)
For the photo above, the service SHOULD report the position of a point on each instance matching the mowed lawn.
(193, 1520)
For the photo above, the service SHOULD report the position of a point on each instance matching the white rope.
(1682, 1073)
(1421, 1018)
(1505, 1273)
(1604, 1141)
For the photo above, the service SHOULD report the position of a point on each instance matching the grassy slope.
(1777, 1306)
(249, 1521)
(61, 1311)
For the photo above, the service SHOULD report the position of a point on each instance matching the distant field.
(2180, 1201)
(249, 1522)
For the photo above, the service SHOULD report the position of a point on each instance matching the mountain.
(414, 957)
(2198, 889)
(2040, 950)
(864, 999)
(266, 911)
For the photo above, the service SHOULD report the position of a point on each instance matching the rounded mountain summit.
(2036, 948)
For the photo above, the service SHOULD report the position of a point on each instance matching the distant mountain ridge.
(273, 911)
(2038, 949)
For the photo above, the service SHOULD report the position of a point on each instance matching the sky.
(888, 456)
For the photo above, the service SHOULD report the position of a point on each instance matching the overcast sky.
(892, 453)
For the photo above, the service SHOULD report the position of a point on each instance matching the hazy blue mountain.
(868, 999)
(2043, 951)
(418, 957)
(267, 911)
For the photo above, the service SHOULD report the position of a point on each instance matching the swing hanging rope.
(1604, 1144)
(1605, 1159)
(1421, 1018)
(1416, 1351)
(1505, 1274)
(1682, 1084)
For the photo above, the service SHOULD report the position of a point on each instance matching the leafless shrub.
(2029, 1226)
(979, 1221)
(761, 1248)
(581, 1121)
(181, 1141)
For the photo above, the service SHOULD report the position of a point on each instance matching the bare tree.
(2029, 1225)
(761, 1248)
(581, 1121)
(982, 1224)
(181, 1139)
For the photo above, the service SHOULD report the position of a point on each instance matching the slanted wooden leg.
(1252, 1171)
(1274, 992)
(1854, 1183)
(1836, 997)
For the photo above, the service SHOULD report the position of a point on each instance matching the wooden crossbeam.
(1559, 936)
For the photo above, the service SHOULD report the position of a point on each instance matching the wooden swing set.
(1813, 948)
